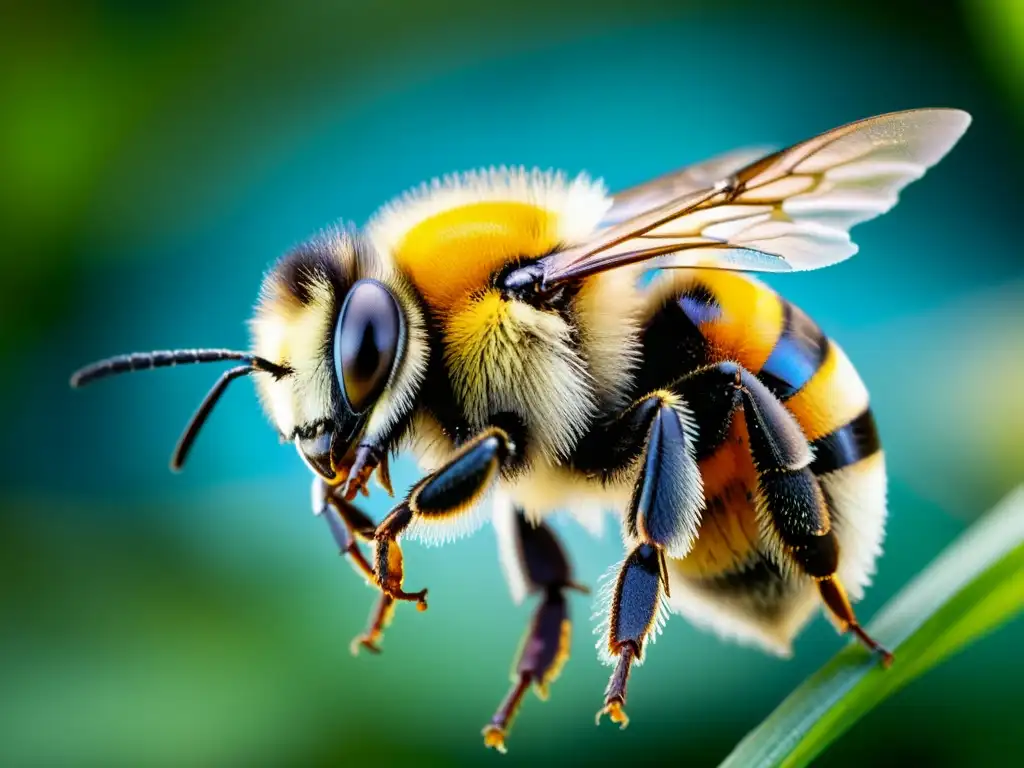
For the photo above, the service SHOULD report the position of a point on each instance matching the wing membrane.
(672, 186)
(791, 210)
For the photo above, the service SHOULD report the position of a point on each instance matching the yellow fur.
(450, 236)
(454, 252)
(751, 317)
(507, 356)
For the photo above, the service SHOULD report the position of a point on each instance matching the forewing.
(791, 210)
(629, 203)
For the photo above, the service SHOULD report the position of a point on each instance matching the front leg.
(444, 495)
(368, 457)
(349, 526)
(346, 523)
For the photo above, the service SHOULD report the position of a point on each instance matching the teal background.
(157, 159)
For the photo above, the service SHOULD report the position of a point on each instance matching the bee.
(542, 345)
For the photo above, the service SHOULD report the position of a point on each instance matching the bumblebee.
(543, 346)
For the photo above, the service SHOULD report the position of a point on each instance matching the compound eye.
(366, 343)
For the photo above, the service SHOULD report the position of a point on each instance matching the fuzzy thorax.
(452, 235)
(506, 356)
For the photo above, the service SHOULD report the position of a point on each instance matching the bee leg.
(795, 511)
(663, 518)
(544, 650)
(451, 491)
(640, 590)
(368, 458)
(381, 615)
(389, 567)
(838, 604)
(348, 525)
(535, 562)
(384, 609)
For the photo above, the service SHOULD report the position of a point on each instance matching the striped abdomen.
(730, 578)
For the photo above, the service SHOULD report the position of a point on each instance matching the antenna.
(142, 361)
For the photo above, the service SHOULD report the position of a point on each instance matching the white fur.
(510, 551)
(435, 532)
(859, 511)
(732, 620)
(581, 203)
(289, 333)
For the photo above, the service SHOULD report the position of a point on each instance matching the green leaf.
(975, 585)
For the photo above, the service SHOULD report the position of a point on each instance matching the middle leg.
(662, 520)
(673, 430)
(534, 561)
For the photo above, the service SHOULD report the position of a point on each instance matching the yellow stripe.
(833, 397)
(455, 252)
(751, 319)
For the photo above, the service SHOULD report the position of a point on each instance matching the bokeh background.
(157, 157)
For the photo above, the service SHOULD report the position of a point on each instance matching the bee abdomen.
(703, 317)
(797, 355)
(846, 445)
(733, 578)
(811, 374)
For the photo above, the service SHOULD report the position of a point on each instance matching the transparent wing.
(791, 210)
(633, 201)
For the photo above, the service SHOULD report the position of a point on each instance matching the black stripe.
(797, 356)
(846, 445)
(673, 345)
(311, 264)
(762, 580)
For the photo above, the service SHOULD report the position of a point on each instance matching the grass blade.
(975, 585)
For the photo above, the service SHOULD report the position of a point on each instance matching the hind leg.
(793, 509)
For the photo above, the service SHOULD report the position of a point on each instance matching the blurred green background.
(155, 158)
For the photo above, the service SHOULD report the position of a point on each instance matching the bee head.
(350, 329)
(339, 351)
